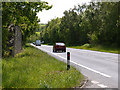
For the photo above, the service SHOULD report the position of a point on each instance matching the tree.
(95, 23)
(22, 14)
(51, 32)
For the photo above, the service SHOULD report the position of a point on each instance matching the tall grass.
(33, 68)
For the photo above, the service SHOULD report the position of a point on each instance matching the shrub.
(87, 45)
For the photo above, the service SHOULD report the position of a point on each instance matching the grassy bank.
(33, 68)
(98, 48)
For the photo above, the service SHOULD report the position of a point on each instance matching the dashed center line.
(94, 82)
(102, 86)
(98, 84)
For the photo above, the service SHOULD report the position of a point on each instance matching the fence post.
(68, 60)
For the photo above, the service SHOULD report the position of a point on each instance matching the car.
(38, 43)
(34, 43)
(59, 46)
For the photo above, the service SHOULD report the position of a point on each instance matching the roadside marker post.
(68, 60)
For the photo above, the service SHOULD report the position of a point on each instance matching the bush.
(87, 45)
(93, 38)
(33, 38)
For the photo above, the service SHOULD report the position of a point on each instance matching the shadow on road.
(59, 52)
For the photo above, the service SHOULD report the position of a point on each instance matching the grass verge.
(98, 48)
(33, 68)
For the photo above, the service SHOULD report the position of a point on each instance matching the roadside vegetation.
(98, 48)
(24, 15)
(33, 37)
(95, 24)
(33, 68)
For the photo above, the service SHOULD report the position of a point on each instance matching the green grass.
(98, 48)
(33, 68)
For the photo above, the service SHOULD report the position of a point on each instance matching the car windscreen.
(60, 44)
(38, 41)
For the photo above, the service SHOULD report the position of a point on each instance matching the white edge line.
(80, 65)
(92, 70)
(102, 86)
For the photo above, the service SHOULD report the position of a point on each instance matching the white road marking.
(108, 76)
(92, 70)
(94, 82)
(102, 86)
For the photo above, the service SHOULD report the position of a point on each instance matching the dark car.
(34, 43)
(59, 47)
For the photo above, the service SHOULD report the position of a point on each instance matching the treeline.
(22, 14)
(96, 23)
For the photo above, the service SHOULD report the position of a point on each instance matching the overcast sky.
(59, 6)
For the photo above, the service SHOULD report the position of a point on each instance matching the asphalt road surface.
(101, 68)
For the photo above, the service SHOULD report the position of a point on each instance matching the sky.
(59, 6)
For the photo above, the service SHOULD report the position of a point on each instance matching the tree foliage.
(96, 23)
(22, 14)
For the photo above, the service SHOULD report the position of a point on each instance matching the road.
(101, 68)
